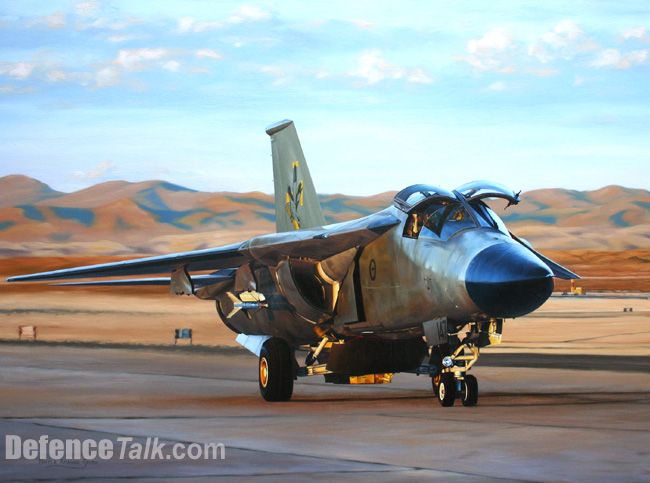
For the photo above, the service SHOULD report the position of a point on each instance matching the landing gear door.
(435, 331)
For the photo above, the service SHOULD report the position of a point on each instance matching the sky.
(384, 94)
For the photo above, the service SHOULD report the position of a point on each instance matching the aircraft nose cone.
(507, 280)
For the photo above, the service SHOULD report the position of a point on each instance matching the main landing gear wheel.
(276, 370)
(470, 391)
(446, 389)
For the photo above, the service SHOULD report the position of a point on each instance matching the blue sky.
(384, 94)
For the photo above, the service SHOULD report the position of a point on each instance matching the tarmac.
(539, 418)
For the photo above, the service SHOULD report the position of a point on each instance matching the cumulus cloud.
(9, 89)
(106, 20)
(137, 59)
(497, 51)
(373, 68)
(134, 60)
(244, 14)
(564, 41)
(55, 21)
(100, 170)
(615, 59)
(87, 8)
(635, 33)
(208, 54)
(492, 52)
(497, 86)
(249, 13)
(116, 39)
(17, 70)
(363, 24)
(107, 77)
(172, 65)
(543, 71)
(56, 76)
(189, 24)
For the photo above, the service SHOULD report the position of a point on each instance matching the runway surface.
(531, 423)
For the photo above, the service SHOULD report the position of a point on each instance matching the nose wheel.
(452, 382)
(444, 387)
(469, 394)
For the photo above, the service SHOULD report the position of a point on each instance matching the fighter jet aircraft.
(418, 287)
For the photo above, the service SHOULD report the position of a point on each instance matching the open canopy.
(479, 190)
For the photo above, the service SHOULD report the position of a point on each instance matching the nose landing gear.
(452, 381)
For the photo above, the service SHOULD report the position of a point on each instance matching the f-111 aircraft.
(421, 286)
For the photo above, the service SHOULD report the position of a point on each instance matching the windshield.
(444, 219)
(487, 217)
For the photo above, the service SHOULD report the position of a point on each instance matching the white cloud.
(56, 75)
(565, 41)
(373, 68)
(85, 9)
(497, 86)
(172, 65)
(9, 89)
(614, 59)
(244, 14)
(208, 54)
(100, 170)
(249, 13)
(17, 70)
(123, 38)
(189, 24)
(638, 33)
(281, 74)
(363, 24)
(106, 23)
(491, 52)
(107, 76)
(543, 71)
(137, 59)
(55, 21)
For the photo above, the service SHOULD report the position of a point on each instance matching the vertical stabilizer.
(296, 202)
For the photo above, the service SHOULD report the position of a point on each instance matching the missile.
(249, 300)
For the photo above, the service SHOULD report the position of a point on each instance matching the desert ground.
(150, 315)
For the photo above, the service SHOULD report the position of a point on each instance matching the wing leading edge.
(316, 244)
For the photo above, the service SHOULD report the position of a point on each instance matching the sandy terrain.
(566, 324)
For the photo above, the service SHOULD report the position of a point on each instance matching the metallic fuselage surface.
(397, 283)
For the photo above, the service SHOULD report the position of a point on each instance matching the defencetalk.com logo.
(124, 448)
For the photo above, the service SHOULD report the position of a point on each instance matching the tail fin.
(296, 202)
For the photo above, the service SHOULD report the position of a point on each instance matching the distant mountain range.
(120, 217)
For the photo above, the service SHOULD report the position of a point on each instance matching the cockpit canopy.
(479, 190)
(415, 194)
(410, 197)
(439, 214)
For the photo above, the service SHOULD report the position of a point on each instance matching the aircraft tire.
(275, 372)
(435, 383)
(447, 390)
(470, 391)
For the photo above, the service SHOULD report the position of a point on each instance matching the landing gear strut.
(451, 380)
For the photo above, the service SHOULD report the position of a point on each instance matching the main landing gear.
(276, 370)
(452, 382)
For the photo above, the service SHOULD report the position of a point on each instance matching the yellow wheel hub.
(264, 372)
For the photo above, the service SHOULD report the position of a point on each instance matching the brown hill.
(17, 189)
(153, 216)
